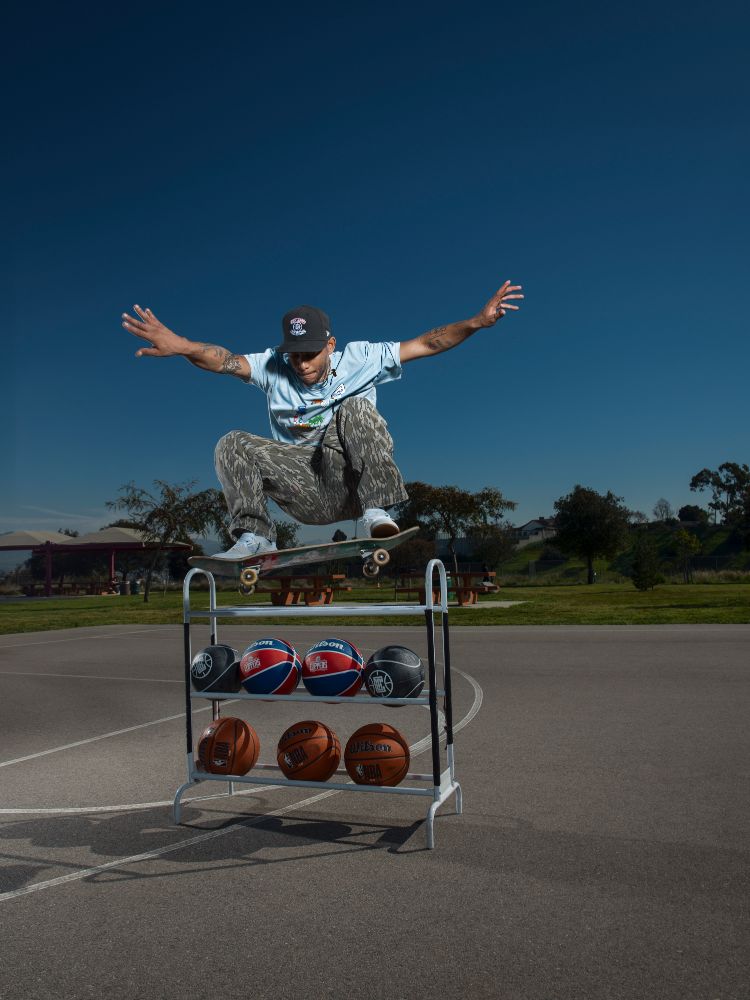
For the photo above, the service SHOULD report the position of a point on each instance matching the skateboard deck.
(374, 552)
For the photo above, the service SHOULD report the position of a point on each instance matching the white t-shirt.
(299, 413)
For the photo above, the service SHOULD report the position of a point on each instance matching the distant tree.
(729, 485)
(638, 517)
(686, 545)
(412, 556)
(286, 534)
(176, 561)
(451, 510)
(171, 514)
(691, 512)
(663, 510)
(645, 571)
(590, 524)
(491, 543)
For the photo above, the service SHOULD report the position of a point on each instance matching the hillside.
(720, 551)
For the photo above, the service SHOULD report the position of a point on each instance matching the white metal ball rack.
(442, 781)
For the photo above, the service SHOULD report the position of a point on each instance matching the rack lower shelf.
(438, 793)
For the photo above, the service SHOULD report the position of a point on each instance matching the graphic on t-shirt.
(296, 416)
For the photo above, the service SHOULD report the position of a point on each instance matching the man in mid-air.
(331, 457)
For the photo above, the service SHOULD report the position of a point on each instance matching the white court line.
(214, 834)
(104, 736)
(80, 638)
(131, 806)
(159, 851)
(91, 677)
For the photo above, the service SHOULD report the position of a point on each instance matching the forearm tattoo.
(230, 363)
(435, 339)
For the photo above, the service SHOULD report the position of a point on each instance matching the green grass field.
(601, 604)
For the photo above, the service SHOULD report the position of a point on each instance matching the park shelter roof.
(119, 536)
(33, 539)
(111, 540)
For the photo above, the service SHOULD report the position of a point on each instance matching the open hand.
(162, 342)
(500, 303)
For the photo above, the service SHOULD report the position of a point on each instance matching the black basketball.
(394, 672)
(216, 668)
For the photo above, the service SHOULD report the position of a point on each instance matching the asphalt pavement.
(602, 852)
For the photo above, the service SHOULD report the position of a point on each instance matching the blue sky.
(392, 164)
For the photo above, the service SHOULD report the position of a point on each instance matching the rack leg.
(430, 825)
(177, 807)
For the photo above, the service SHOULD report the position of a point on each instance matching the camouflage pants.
(350, 470)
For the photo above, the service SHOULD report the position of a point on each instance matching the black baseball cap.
(305, 328)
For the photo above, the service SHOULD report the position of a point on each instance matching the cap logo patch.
(298, 326)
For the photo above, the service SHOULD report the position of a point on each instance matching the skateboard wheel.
(381, 556)
(249, 577)
(370, 568)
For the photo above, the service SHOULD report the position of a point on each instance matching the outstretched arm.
(165, 343)
(442, 338)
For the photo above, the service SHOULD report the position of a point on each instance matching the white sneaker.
(248, 544)
(377, 524)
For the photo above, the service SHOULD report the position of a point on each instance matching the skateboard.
(374, 553)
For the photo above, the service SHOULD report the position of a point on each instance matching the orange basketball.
(228, 746)
(377, 754)
(309, 751)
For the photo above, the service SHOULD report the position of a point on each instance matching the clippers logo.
(201, 665)
(298, 326)
(251, 662)
(380, 684)
(317, 665)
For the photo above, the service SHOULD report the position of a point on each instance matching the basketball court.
(602, 851)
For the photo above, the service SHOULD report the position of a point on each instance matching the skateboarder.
(331, 457)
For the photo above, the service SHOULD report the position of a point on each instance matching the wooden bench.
(314, 589)
(466, 591)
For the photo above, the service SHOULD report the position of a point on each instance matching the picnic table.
(466, 586)
(311, 588)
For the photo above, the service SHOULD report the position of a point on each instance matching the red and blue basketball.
(333, 667)
(270, 666)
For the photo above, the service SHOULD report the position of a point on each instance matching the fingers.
(151, 352)
(132, 324)
(142, 327)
